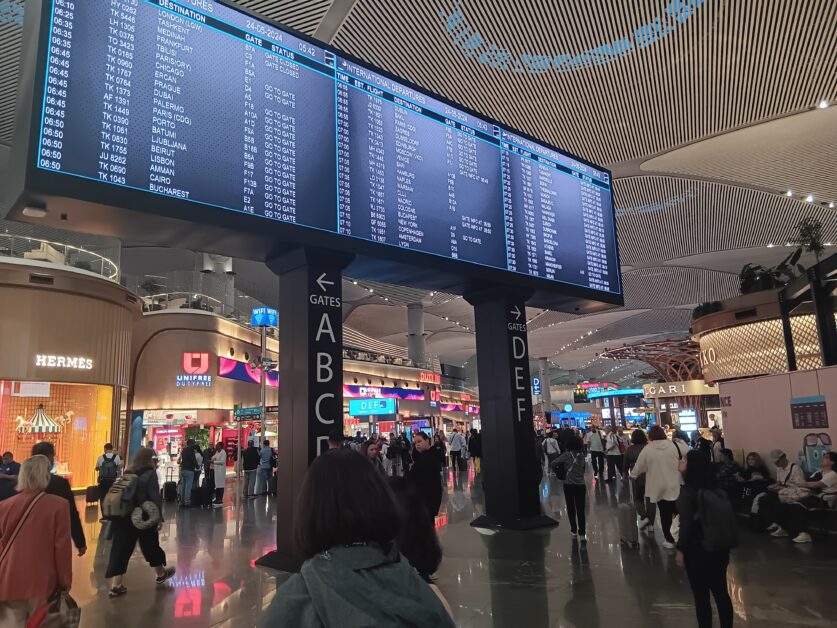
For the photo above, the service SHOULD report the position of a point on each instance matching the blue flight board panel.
(198, 101)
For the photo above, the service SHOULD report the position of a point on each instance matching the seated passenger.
(755, 476)
(346, 525)
(727, 472)
(794, 517)
(788, 479)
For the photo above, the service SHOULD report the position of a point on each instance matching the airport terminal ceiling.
(718, 120)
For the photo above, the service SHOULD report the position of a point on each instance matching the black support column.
(787, 331)
(311, 378)
(824, 311)
(510, 469)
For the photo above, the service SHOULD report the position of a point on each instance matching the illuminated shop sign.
(377, 392)
(692, 387)
(430, 378)
(264, 317)
(195, 367)
(241, 371)
(369, 407)
(63, 362)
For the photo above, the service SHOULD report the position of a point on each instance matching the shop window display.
(76, 418)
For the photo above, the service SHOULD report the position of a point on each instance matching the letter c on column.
(317, 408)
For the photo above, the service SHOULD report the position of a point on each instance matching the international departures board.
(195, 100)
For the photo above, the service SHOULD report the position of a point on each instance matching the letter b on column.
(324, 362)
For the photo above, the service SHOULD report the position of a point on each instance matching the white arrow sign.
(323, 282)
(516, 312)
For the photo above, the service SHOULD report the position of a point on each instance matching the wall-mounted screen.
(370, 407)
(197, 101)
(243, 372)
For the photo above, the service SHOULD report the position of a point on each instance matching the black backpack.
(108, 470)
(718, 521)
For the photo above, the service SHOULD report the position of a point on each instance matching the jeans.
(597, 459)
(249, 484)
(707, 572)
(667, 512)
(456, 460)
(263, 480)
(576, 494)
(614, 461)
(187, 477)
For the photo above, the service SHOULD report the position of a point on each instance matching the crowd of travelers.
(367, 514)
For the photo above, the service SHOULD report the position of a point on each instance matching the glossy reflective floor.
(504, 579)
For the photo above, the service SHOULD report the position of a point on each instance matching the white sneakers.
(773, 527)
(779, 533)
(668, 545)
(802, 537)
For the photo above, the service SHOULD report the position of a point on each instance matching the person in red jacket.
(34, 530)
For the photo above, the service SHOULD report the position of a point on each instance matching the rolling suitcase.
(91, 495)
(169, 486)
(272, 485)
(201, 497)
(628, 530)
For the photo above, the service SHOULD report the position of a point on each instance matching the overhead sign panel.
(369, 407)
(199, 102)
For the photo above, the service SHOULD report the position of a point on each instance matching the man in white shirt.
(596, 444)
(550, 447)
(787, 473)
(457, 444)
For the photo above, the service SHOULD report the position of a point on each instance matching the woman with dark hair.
(646, 510)
(426, 473)
(440, 448)
(659, 462)
(706, 570)
(371, 450)
(126, 534)
(575, 487)
(346, 523)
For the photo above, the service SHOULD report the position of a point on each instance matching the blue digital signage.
(200, 102)
(370, 407)
(264, 317)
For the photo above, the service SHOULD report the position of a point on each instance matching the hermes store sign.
(64, 362)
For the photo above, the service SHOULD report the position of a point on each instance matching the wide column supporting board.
(510, 469)
(311, 379)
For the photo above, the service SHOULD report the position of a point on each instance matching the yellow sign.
(689, 388)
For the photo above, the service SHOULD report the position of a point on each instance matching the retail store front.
(65, 342)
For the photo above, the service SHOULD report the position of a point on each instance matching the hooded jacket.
(356, 587)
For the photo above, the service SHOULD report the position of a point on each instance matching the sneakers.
(779, 533)
(773, 527)
(217, 505)
(582, 538)
(668, 545)
(802, 537)
(642, 523)
(117, 591)
(574, 535)
(167, 573)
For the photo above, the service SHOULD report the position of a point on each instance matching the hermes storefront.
(65, 361)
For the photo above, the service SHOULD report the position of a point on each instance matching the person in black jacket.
(250, 463)
(61, 487)
(417, 540)
(707, 571)
(126, 534)
(475, 449)
(426, 473)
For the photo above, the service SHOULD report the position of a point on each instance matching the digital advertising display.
(243, 372)
(372, 407)
(351, 391)
(206, 105)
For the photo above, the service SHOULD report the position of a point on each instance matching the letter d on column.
(518, 344)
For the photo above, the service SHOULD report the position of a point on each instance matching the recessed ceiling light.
(789, 193)
(831, 205)
(810, 198)
(34, 212)
(823, 104)
(771, 245)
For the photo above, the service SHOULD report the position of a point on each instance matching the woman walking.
(219, 473)
(35, 552)
(705, 568)
(659, 462)
(575, 488)
(371, 451)
(126, 534)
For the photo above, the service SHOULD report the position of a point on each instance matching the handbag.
(791, 494)
(60, 611)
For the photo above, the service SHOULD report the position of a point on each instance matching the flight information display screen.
(195, 100)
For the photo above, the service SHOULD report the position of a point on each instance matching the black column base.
(521, 523)
(281, 561)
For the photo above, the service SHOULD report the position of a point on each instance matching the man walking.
(457, 444)
(190, 464)
(108, 467)
(596, 444)
(250, 463)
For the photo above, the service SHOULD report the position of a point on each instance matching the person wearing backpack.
(551, 449)
(108, 467)
(570, 467)
(127, 531)
(708, 531)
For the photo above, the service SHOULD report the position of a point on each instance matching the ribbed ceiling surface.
(797, 153)
(11, 37)
(731, 64)
(303, 15)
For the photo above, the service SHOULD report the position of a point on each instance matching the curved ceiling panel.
(797, 153)
(729, 65)
(303, 15)
(666, 218)
(661, 286)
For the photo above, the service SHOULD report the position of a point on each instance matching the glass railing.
(58, 253)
